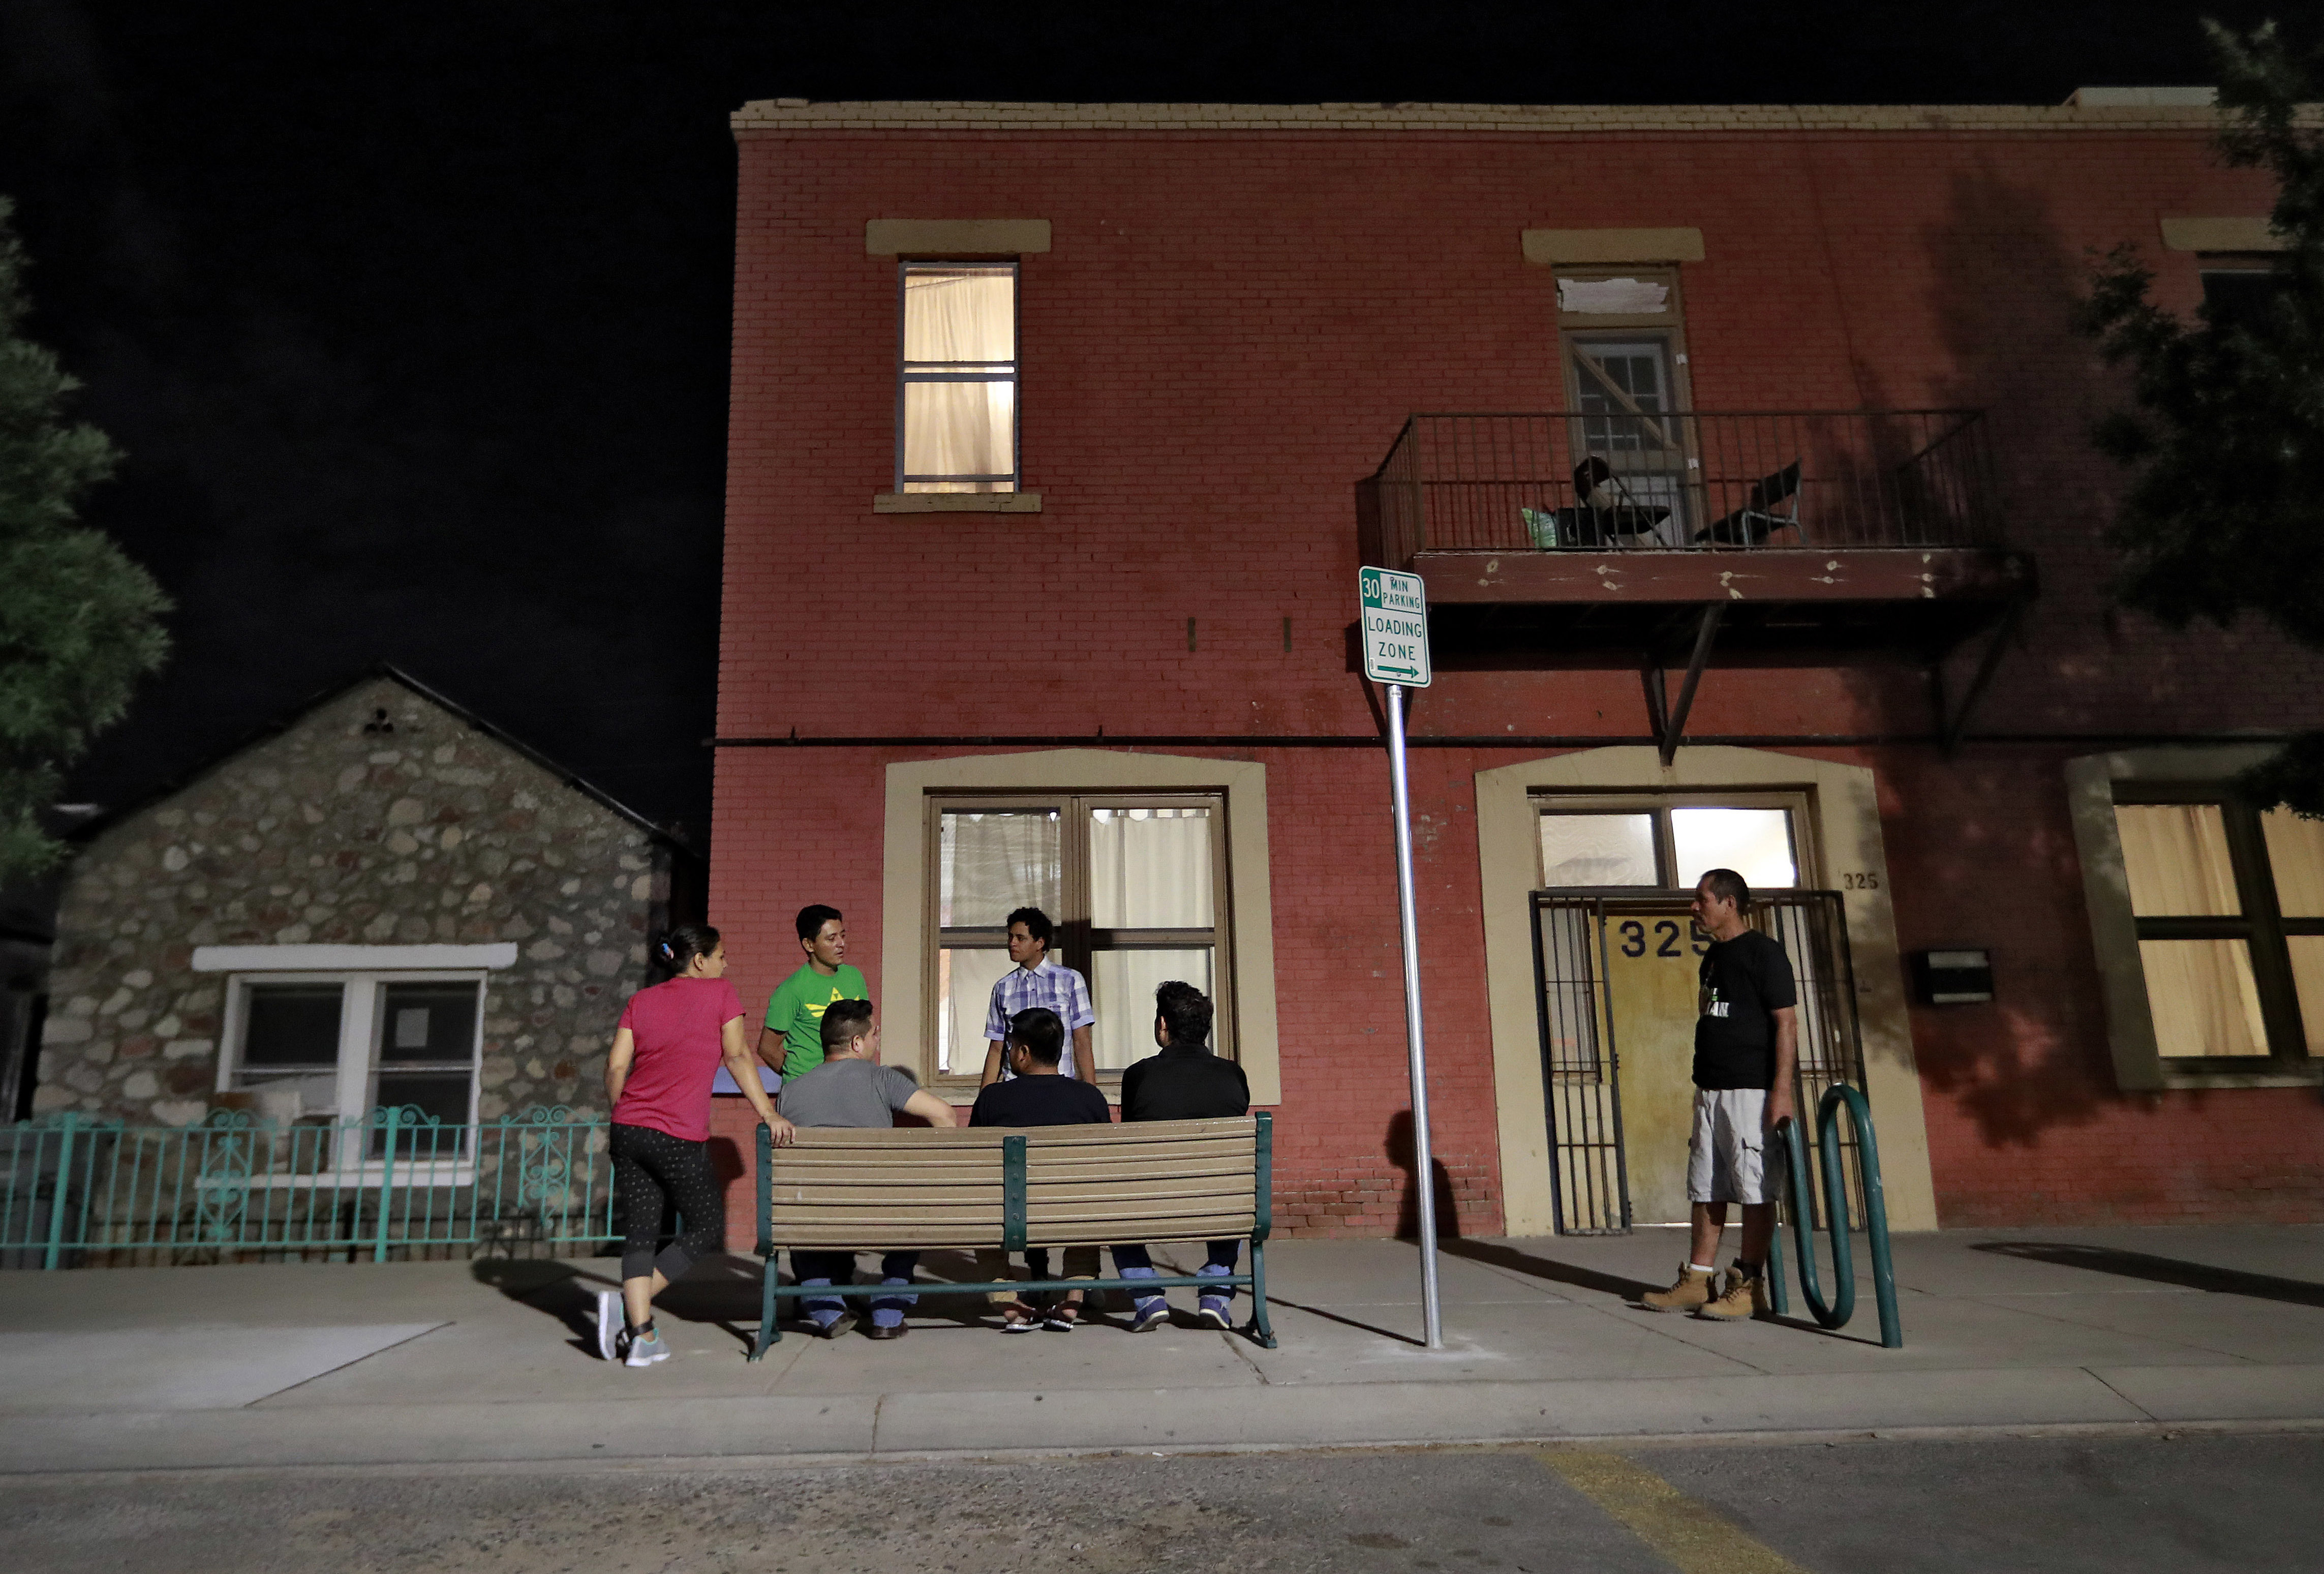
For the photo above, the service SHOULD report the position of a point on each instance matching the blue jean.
(839, 1268)
(1133, 1262)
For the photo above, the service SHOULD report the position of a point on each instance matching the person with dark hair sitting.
(791, 1041)
(850, 1087)
(1185, 1082)
(1037, 980)
(1037, 1094)
(671, 1040)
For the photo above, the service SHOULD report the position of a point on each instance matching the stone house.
(383, 898)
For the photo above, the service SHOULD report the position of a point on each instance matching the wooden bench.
(910, 1189)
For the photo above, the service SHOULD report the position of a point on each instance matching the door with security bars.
(1617, 974)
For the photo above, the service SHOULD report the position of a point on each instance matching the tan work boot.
(1693, 1290)
(1740, 1298)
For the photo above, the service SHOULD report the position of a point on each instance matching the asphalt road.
(2116, 1504)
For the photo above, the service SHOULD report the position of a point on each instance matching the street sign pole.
(1396, 653)
(1424, 1165)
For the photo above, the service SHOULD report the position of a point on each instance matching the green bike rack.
(1842, 1305)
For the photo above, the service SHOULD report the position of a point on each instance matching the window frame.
(1077, 940)
(2265, 264)
(2260, 925)
(1014, 481)
(1675, 459)
(2091, 783)
(1806, 862)
(363, 1026)
(1584, 327)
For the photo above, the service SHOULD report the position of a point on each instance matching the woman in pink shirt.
(666, 1053)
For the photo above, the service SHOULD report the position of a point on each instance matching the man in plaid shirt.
(1038, 981)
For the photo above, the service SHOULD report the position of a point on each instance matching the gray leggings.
(651, 1168)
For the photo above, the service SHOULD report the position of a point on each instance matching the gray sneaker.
(612, 1325)
(645, 1351)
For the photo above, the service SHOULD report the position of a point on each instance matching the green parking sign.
(1396, 627)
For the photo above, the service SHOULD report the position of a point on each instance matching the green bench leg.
(769, 1334)
(1260, 1330)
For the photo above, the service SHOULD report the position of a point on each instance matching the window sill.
(2175, 1076)
(957, 503)
(366, 1176)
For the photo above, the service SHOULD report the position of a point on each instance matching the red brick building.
(1059, 433)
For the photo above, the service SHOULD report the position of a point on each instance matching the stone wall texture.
(379, 818)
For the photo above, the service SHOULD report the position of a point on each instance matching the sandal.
(1061, 1318)
(1016, 1317)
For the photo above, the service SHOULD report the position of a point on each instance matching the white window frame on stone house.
(364, 973)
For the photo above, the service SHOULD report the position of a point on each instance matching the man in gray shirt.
(853, 1089)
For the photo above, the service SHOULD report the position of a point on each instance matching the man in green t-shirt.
(792, 1040)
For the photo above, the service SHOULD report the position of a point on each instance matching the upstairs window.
(2229, 904)
(956, 378)
(2241, 291)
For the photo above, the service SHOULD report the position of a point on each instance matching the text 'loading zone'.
(1396, 627)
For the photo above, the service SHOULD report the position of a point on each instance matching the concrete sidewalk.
(333, 1364)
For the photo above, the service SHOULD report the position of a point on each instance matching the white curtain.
(2176, 855)
(965, 981)
(2295, 853)
(1150, 869)
(990, 863)
(1122, 986)
(960, 429)
(2204, 997)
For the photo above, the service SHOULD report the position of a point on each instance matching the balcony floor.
(1782, 603)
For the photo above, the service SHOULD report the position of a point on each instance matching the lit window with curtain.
(1133, 885)
(2229, 904)
(956, 378)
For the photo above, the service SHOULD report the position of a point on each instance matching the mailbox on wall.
(1958, 977)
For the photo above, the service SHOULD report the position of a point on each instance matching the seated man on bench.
(1038, 1092)
(1185, 1082)
(853, 1089)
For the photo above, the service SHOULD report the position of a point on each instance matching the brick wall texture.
(1227, 335)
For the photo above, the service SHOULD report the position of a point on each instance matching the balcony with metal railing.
(1805, 530)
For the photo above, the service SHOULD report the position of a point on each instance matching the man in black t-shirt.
(1185, 1082)
(1038, 1092)
(1746, 1047)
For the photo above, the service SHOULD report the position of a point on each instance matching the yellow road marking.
(1693, 1537)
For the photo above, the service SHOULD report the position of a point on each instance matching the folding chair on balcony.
(1751, 524)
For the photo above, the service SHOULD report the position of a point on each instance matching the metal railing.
(76, 1191)
(1684, 479)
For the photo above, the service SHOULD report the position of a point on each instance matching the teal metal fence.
(76, 1191)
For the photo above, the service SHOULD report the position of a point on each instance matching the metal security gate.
(1615, 972)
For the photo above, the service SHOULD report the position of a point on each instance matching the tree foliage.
(79, 623)
(2224, 512)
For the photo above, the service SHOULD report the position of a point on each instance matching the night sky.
(412, 319)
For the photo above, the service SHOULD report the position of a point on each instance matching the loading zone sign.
(1396, 627)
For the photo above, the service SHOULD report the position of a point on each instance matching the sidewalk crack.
(359, 1360)
(2118, 1393)
(878, 1403)
(1235, 1343)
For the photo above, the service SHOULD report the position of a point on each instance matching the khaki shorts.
(1724, 1162)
